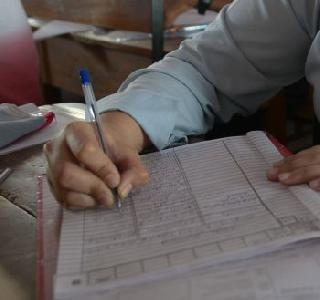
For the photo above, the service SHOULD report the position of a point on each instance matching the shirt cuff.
(156, 118)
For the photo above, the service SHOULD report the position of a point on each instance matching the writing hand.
(82, 175)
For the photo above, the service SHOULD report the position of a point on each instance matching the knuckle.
(85, 151)
(105, 170)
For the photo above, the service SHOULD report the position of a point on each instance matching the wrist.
(125, 129)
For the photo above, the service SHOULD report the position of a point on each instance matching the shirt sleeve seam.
(300, 21)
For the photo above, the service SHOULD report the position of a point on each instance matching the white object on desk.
(63, 116)
(56, 28)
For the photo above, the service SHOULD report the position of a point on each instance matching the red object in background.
(19, 66)
(283, 150)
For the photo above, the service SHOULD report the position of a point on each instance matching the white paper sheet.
(187, 19)
(204, 202)
(290, 274)
(56, 28)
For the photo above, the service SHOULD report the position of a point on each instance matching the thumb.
(133, 174)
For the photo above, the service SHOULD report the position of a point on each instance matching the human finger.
(300, 175)
(133, 174)
(315, 184)
(74, 178)
(295, 162)
(84, 146)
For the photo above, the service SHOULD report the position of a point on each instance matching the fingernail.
(124, 191)
(273, 171)
(315, 184)
(75, 143)
(111, 181)
(106, 199)
(283, 176)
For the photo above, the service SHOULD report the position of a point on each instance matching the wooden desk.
(18, 217)
(109, 63)
(135, 15)
(18, 224)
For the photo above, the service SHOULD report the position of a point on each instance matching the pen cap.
(84, 75)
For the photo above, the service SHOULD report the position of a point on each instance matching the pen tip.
(119, 205)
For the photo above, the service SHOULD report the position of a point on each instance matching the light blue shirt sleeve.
(251, 50)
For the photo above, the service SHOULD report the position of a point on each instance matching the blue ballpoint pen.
(93, 116)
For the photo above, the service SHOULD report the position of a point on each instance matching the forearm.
(125, 129)
(223, 71)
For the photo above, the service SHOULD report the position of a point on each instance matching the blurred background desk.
(109, 62)
(287, 116)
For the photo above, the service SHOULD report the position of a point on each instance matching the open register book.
(206, 203)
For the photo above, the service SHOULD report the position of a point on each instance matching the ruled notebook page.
(203, 201)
